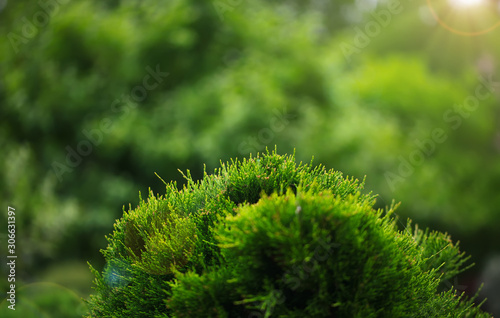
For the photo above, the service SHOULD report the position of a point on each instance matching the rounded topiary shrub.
(266, 237)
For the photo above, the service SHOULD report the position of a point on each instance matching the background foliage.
(241, 76)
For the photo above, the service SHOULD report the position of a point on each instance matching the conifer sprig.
(267, 237)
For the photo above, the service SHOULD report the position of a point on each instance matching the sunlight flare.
(466, 3)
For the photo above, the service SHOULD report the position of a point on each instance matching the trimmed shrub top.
(267, 237)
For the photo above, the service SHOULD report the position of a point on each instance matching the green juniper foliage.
(266, 237)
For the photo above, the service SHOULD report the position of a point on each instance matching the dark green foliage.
(263, 66)
(266, 237)
(262, 73)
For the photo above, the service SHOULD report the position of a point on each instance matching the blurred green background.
(97, 96)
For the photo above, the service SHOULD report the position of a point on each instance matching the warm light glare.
(466, 3)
